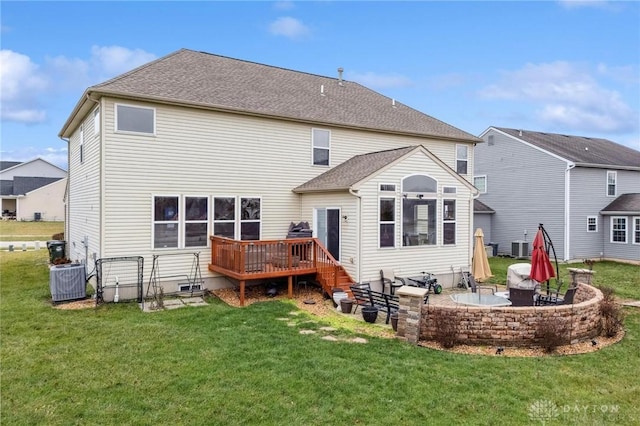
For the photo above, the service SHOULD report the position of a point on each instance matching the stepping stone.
(328, 328)
(307, 332)
(330, 338)
(359, 340)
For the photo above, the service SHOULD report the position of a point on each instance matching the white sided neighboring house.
(196, 152)
(32, 190)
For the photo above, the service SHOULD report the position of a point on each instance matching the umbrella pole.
(548, 245)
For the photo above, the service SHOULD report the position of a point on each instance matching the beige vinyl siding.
(348, 205)
(46, 200)
(217, 154)
(407, 261)
(83, 201)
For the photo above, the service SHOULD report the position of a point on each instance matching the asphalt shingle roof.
(8, 164)
(626, 203)
(480, 207)
(23, 184)
(212, 81)
(6, 187)
(580, 149)
(352, 171)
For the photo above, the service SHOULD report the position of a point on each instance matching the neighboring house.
(32, 190)
(194, 144)
(583, 190)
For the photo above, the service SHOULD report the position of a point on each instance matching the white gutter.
(359, 236)
(567, 209)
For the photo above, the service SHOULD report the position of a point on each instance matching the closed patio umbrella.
(541, 267)
(480, 268)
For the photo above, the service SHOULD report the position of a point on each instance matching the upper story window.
(321, 143)
(480, 182)
(135, 119)
(612, 177)
(386, 187)
(462, 159)
(82, 143)
(618, 229)
(96, 121)
(592, 224)
(636, 230)
(491, 140)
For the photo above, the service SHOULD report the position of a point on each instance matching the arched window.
(419, 210)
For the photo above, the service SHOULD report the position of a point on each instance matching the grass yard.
(14, 230)
(227, 366)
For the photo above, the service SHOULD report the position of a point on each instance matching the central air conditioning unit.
(519, 249)
(67, 282)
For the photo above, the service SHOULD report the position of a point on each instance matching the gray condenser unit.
(67, 282)
(519, 249)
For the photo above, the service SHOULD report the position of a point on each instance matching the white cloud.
(21, 82)
(575, 4)
(284, 5)
(566, 95)
(380, 81)
(57, 156)
(113, 60)
(26, 87)
(288, 27)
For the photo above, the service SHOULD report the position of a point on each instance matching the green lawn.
(226, 366)
(14, 230)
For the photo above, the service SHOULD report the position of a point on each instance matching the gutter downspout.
(101, 178)
(67, 192)
(567, 209)
(359, 236)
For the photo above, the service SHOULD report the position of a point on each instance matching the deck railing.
(264, 259)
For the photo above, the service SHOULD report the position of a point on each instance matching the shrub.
(551, 335)
(612, 316)
(445, 322)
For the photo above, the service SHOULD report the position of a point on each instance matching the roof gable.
(579, 149)
(362, 167)
(233, 85)
(352, 171)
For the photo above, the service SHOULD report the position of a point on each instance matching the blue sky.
(567, 67)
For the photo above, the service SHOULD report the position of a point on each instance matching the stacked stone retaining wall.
(518, 326)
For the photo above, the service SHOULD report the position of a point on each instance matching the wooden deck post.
(242, 292)
(290, 286)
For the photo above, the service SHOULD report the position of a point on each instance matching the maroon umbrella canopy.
(541, 268)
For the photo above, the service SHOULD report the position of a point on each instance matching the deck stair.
(267, 259)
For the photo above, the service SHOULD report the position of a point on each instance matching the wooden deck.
(265, 259)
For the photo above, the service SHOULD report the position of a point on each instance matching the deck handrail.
(246, 260)
(243, 259)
